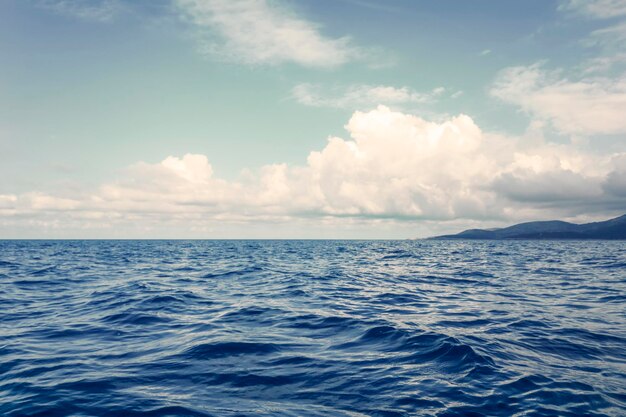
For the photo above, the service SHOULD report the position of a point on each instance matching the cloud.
(553, 187)
(7, 201)
(395, 167)
(603, 64)
(377, 6)
(611, 38)
(263, 32)
(360, 96)
(588, 106)
(615, 183)
(95, 10)
(599, 9)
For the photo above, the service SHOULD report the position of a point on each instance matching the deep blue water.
(312, 328)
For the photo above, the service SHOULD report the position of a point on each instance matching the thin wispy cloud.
(613, 37)
(360, 96)
(603, 63)
(263, 32)
(376, 5)
(602, 9)
(94, 10)
(587, 106)
(610, 38)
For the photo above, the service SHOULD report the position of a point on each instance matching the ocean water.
(312, 328)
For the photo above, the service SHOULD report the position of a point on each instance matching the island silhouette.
(553, 229)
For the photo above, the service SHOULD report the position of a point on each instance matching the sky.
(308, 118)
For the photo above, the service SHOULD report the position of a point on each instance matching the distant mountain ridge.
(553, 229)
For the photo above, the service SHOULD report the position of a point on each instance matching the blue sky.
(340, 119)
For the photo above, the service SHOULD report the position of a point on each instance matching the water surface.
(312, 328)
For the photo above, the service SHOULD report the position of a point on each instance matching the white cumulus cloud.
(394, 167)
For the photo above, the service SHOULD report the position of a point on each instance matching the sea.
(312, 328)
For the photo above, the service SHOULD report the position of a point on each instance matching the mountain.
(554, 229)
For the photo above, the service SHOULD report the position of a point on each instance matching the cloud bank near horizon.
(394, 166)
